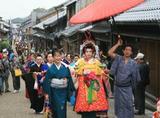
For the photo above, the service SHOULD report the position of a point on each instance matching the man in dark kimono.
(36, 100)
(140, 88)
(126, 76)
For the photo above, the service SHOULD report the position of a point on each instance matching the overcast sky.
(10, 9)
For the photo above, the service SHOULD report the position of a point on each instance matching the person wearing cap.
(140, 88)
(5, 51)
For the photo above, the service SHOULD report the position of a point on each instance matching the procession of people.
(80, 79)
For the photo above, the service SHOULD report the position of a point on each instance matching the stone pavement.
(17, 106)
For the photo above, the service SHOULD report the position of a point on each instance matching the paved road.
(17, 106)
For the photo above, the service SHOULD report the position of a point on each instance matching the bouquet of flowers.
(92, 84)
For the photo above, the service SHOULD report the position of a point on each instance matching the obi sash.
(59, 83)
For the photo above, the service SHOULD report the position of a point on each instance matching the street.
(93, 38)
(17, 106)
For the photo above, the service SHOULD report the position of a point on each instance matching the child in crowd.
(156, 114)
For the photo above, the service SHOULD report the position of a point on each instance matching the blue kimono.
(58, 96)
(46, 66)
(126, 78)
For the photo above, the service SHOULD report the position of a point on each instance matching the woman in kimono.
(49, 59)
(57, 85)
(91, 95)
(27, 76)
(35, 94)
(47, 65)
(15, 64)
(49, 62)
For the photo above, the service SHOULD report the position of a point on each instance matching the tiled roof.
(50, 20)
(4, 23)
(43, 35)
(148, 11)
(71, 30)
(4, 26)
(70, 2)
(100, 27)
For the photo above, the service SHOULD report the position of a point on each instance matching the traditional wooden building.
(48, 27)
(69, 36)
(141, 27)
(55, 25)
(73, 35)
(27, 27)
(4, 28)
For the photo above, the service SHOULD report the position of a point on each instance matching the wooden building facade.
(141, 27)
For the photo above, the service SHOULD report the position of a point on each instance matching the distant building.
(49, 27)
(28, 23)
(4, 28)
(31, 20)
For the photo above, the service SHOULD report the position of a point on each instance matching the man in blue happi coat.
(126, 75)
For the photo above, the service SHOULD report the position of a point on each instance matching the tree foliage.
(4, 43)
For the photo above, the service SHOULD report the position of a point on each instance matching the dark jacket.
(6, 67)
(144, 73)
(1, 68)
